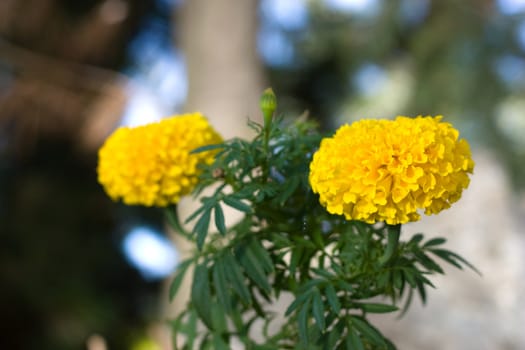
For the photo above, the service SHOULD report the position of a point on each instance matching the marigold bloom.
(151, 165)
(387, 170)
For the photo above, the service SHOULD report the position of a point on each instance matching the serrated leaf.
(218, 318)
(305, 242)
(218, 343)
(253, 268)
(219, 219)
(377, 308)
(199, 211)
(409, 277)
(397, 278)
(190, 329)
(434, 242)
(322, 273)
(353, 341)
(201, 228)
(221, 286)
(298, 301)
(297, 253)
(302, 320)
(318, 309)
(289, 190)
(237, 204)
(334, 335)
(201, 295)
(261, 254)
(451, 258)
(368, 331)
(317, 237)
(337, 268)
(331, 297)
(418, 237)
(173, 220)
(345, 285)
(421, 291)
(384, 278)
(235, 276)
(408, 302)
(179, 277)
(310, 284)
(280, 241)
(207, 148)
(427, 262)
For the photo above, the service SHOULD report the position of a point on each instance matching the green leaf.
(368, 331)
(322, 273)
(200, 210)
(331, 297)
(302, 320)
(221, 285)
(427, 262)
(377, 308)
(317, 237)
(289, 190)
(409, 276)
(207, 148)
(418, 237)
(179, 277)
(235, 276)
(451, 258)
(397, 278)
(201, 228)
(305, 242)
(383, 279)
(334, 335)
(279, 241)
(173, 220)
(219, 219)
(318, 309)
(218, 318)
(201, 295)
(408, 302)
(253, 268)
(298, 301)
(188, 328)
(218, 343)
(310, 284)
(434, 242)
(345, 285)
(297, 253)
(237, 204)
(353, 340)
(421, 290)
(261, 254)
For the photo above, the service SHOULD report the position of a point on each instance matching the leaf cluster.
(286, 244)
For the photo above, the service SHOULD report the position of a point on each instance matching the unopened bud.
(268, 105)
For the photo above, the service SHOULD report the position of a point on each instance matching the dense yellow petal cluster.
(388, 170)
(151, 165)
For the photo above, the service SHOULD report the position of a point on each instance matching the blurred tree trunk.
(218, 39)
(225, 77)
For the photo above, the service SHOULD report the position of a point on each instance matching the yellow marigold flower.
(388, 170)
(151, 165)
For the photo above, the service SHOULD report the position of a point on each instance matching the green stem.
(393, 234)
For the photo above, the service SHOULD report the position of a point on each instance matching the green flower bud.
(268, 104)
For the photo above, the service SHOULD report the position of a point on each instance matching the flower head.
(388, 170)
(151, 165)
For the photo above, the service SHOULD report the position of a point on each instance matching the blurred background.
(78, 271)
